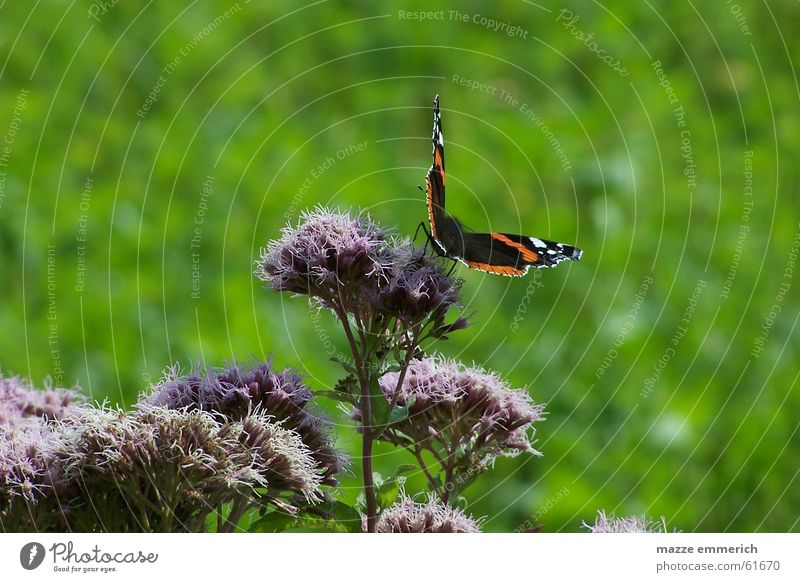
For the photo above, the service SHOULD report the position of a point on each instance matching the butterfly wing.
(512, 254)
(436, 177)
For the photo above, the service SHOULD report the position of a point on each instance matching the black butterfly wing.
(436, 177)
(512, 254)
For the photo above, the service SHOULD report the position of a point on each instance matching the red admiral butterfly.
(499, 253)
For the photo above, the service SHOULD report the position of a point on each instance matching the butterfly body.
(499, 253)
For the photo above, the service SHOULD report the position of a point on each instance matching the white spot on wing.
(537, 242)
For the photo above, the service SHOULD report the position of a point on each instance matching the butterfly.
(499, 253)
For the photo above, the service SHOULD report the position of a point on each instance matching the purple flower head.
(19, 401)
(414, 287)
(407, 516)
(171, 468)
(237, 391)
(29, 484)
(26, 455)
(633, 524)
(466, 409)
(327, 255)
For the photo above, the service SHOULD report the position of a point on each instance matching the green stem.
(431, 481)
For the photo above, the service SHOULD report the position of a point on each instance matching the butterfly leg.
(427, 236)
(452, 267)
(416, 232)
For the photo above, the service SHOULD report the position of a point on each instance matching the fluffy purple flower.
(414, 287)
(19, 400)
(325, 256)
(350, 266)
(28, 476)
(158, 469)
(407, 516)
(236, 391)
(467, 410)
(26, 453)
(632, 524)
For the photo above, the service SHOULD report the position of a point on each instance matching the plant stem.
(431, 481)
(369, 486)
(367, 435)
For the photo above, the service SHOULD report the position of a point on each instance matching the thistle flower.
(407, 516)
(465, 416)
(469, 408)
(414, 287)
(326, 256)
(172, 468)
(19, 400)
(278, 455)
(348, 263)
(237, 391)
(28, 500)
(632, 524)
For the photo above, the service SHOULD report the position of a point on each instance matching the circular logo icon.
(31, 555)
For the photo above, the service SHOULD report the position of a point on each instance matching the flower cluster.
(171, 468)
(27, 486)
(632, 524)
(29, 441)
(408, 516)
(326, 256)
(388, 297)
(20, 401)
(414, 287)
(350, 264)
(67, 466)
(465, 416)
(237, 391)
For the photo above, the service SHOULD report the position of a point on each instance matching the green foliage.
(127, 242)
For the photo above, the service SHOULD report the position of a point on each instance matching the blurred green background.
(150, 149)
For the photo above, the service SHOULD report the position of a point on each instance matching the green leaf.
(403, 469)
(387, 492)
(332, 515)
(273, 522)
(347, 518)
(380, 411)
(348, 366)
(346, 398)
(401, 412)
